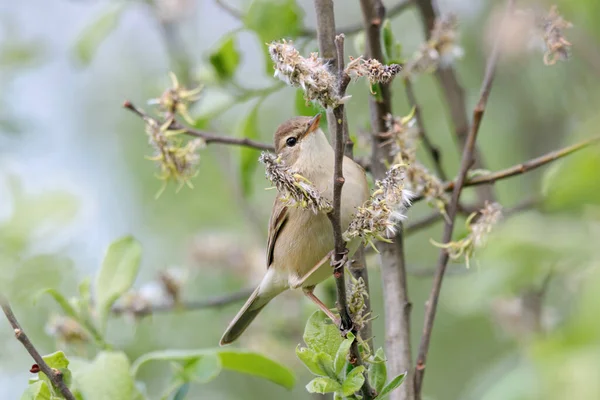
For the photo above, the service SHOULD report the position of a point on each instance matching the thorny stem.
(397, 305)
(454, 94)
(466, 162)
(335, 215)
(208, 137)
(54, 375)
(520, 169)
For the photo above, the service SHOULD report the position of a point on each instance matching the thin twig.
(335, 217)
(520, 169)
(433, 151)
(55, 376)
(396, 303)
(208, 137)
(466, 162)
(454, 95)
(191, 305)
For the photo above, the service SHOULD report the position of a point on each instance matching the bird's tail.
(255, 303)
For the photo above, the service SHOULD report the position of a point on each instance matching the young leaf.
(308, 358)
(225, 59)
(378, 371)
(38, 390)
(118, 272)
(182, 392)
(321, 335)
(388, 39)
(342, 353)
(325, 363)
(248, 156)
(397, 381)
(92, 36)
(257, 365)
(323, 385)
(201, 369)
(354, 381)
(231, 359)
(309, 109)
(62, 302)
(107, 377)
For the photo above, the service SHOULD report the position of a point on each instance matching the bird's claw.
(339, 264)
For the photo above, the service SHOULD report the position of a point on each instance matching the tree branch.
(397, 305)
(335, 215)
(520, 169)
(55, 376)
(454, 94)
(208, 137)
(466, 162)
(191, 305)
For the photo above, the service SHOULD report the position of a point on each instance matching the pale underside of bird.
(300, 242)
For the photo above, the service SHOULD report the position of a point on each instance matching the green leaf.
(274, 19)
(201, 369)
(308, 109)
(94, 34)
(323, 385)
(182, 392)
(393, 49)
(118, 272)
(257, 365)
(325, 363)
(308, 357)
(225, 59)
(397, 381)
(321, 335)
(233, 360)
(378, 371)
(354, 381)
(56, 360)
(342, 353)
(107, 377)
(248, 156)
(62, 302)
(37, 391)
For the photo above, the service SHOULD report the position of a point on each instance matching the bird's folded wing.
(279, 218)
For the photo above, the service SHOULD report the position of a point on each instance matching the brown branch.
(454, 95)
(466, 162)
(394, 10)
(208, 137)
(397, 305)
(54, 375)
(192, 305)
(432, 150)
(522, 168)
(346, 323)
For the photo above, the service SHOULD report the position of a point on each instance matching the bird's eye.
(291, 141)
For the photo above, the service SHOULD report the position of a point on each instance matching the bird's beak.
(313, 125)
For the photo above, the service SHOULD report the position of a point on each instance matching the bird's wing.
(279, 218)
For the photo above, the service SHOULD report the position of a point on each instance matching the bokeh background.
(521, 323)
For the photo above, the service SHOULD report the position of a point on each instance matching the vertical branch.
(466, 163)
(335, 214)
(54, 375)
(327, 51)
(330, 50)
(454, 96)
(393, 267)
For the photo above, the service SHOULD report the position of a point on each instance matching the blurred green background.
(521, 323)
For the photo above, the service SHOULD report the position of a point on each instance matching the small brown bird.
(300, 241)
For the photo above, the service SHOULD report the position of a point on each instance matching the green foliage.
(394, 384)
(393, 48)
(273, 20)
(225, 59)
(327, 357)
(106, 377)
(118, 272)
(249, 156)
(204, 365)
(39, 390)
(94, 34)
(308, 109)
